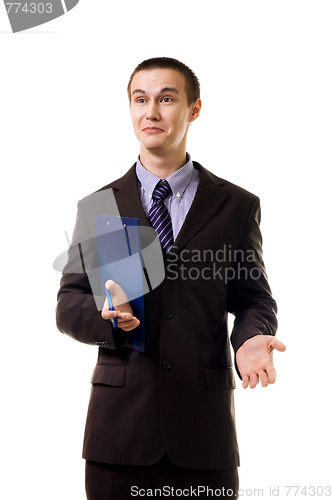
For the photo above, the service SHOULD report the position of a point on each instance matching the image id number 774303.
(29, 7)
(308, 491)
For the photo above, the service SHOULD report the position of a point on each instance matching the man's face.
(159, 109)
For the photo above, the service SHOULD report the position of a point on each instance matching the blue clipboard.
(119, 259)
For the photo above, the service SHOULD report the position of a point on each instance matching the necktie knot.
(161, 191)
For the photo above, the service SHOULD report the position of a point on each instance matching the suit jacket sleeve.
(250, 298)
(77, 313)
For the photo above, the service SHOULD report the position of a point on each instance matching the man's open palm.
(255, 360)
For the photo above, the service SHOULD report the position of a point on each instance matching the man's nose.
(152, 112)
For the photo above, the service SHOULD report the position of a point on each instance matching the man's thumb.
(278, 345)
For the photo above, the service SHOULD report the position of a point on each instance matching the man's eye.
(140, 100)
(166, 99)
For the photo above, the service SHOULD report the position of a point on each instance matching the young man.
(164, 418)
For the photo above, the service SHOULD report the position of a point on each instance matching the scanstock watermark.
(25, 15)
(191, 491)
(285, 491)
(106, 246)
(224, 263)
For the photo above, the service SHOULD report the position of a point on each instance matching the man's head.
(192, 84)
(164, 99)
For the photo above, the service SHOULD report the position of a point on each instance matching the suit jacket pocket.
(220, 379)
(113, 375)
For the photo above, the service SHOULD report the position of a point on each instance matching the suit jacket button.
(167, 365)
(167, 314)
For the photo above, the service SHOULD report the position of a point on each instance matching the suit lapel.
(128, 198)
(210, 195)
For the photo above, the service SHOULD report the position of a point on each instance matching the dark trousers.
(160, 480)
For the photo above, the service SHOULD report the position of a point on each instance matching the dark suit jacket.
(178, 396)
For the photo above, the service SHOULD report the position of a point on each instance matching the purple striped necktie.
(159, 215)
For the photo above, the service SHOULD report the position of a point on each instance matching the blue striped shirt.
(183, 183)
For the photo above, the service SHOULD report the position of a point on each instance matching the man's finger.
(245, 380)
(271, 374)
(107, 314)
(118, 295)
(125, 318)
(129, 325)
(254, 380)
(111, 285)
(263, 378)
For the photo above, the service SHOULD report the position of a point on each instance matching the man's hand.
(255, 360)
(123, 311)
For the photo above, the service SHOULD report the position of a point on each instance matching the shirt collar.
(178, 181)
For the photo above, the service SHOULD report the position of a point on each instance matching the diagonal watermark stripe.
(103, 246)
(26, 14)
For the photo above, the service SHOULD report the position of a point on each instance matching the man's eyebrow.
(138, 91)
(169, 89)
(165, 89)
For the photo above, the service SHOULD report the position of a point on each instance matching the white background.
(266, 73)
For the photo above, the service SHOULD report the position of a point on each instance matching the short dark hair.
(192, 84)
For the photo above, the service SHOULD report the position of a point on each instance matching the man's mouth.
(152, 130)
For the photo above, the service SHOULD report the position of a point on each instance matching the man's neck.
(160, 166)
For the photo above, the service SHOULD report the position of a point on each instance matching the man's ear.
(196, 108)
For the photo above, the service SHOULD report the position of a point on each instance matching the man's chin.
(153, 145)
